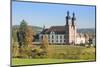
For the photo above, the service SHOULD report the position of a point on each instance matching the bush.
(87, 56)
(62, 55)
(15, 49)
(39, 53)
(59, 52)
(81, 44)
(73, 53)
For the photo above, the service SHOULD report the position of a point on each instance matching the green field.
(16, 61)
(60, 54)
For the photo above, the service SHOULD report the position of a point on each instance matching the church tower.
(74, 30)
(70, 28)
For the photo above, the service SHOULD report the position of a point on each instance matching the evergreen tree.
(23, 26)
(25, 38)
(21, 33)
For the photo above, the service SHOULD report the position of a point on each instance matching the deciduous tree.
(44, 42)
(29, 36)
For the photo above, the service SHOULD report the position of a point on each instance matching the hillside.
(86, 30)
(35, 28)
(38, 29)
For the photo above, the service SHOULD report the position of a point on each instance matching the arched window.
(52, 37)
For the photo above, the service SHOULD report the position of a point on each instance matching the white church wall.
(80, 40)
(56, 38)
(59, 38)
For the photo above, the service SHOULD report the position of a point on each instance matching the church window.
(64, 37)
(52, 37)
(52, 41)
(60, 37)
(56, 37)
(64, 40)
(60, 40)
(56, 40)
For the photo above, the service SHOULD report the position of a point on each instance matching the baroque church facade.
(66, 34)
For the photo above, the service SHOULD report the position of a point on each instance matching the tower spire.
(67, 18)
(67, 13)
(73, 19)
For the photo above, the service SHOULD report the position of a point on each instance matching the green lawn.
(41, 61)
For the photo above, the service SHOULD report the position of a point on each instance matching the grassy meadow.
(59, 54)
(17, 61)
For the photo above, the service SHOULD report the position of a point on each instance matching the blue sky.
(39, 14)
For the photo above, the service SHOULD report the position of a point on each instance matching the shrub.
(62, 55)
(81, 44)
(15, 49)
(87, 56)
(38, 53)
(73, 53)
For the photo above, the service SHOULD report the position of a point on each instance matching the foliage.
(23, 26)
(29, 36)
(90, 41)
(45, 42)
(70, 52)
(81, 44)
(64, 52)
(14, 35)
(24, 50)
(28, 32)
(38, 53)
(60, 52)
(88, 53)
(87, 56)
(15, 52)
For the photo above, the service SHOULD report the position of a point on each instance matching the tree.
(25, 39)
(29, 36)
(23, 26)
(15, 50)
(21, 33)
(14, 35)
(26, 33)
(44, 42)
(90, 41)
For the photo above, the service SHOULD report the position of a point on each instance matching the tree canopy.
(23, 25)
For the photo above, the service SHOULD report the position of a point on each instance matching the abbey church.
(66, 34)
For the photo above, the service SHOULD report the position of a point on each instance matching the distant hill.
(86, 30)
(38, 29)
(89, 31)
(35, 28)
